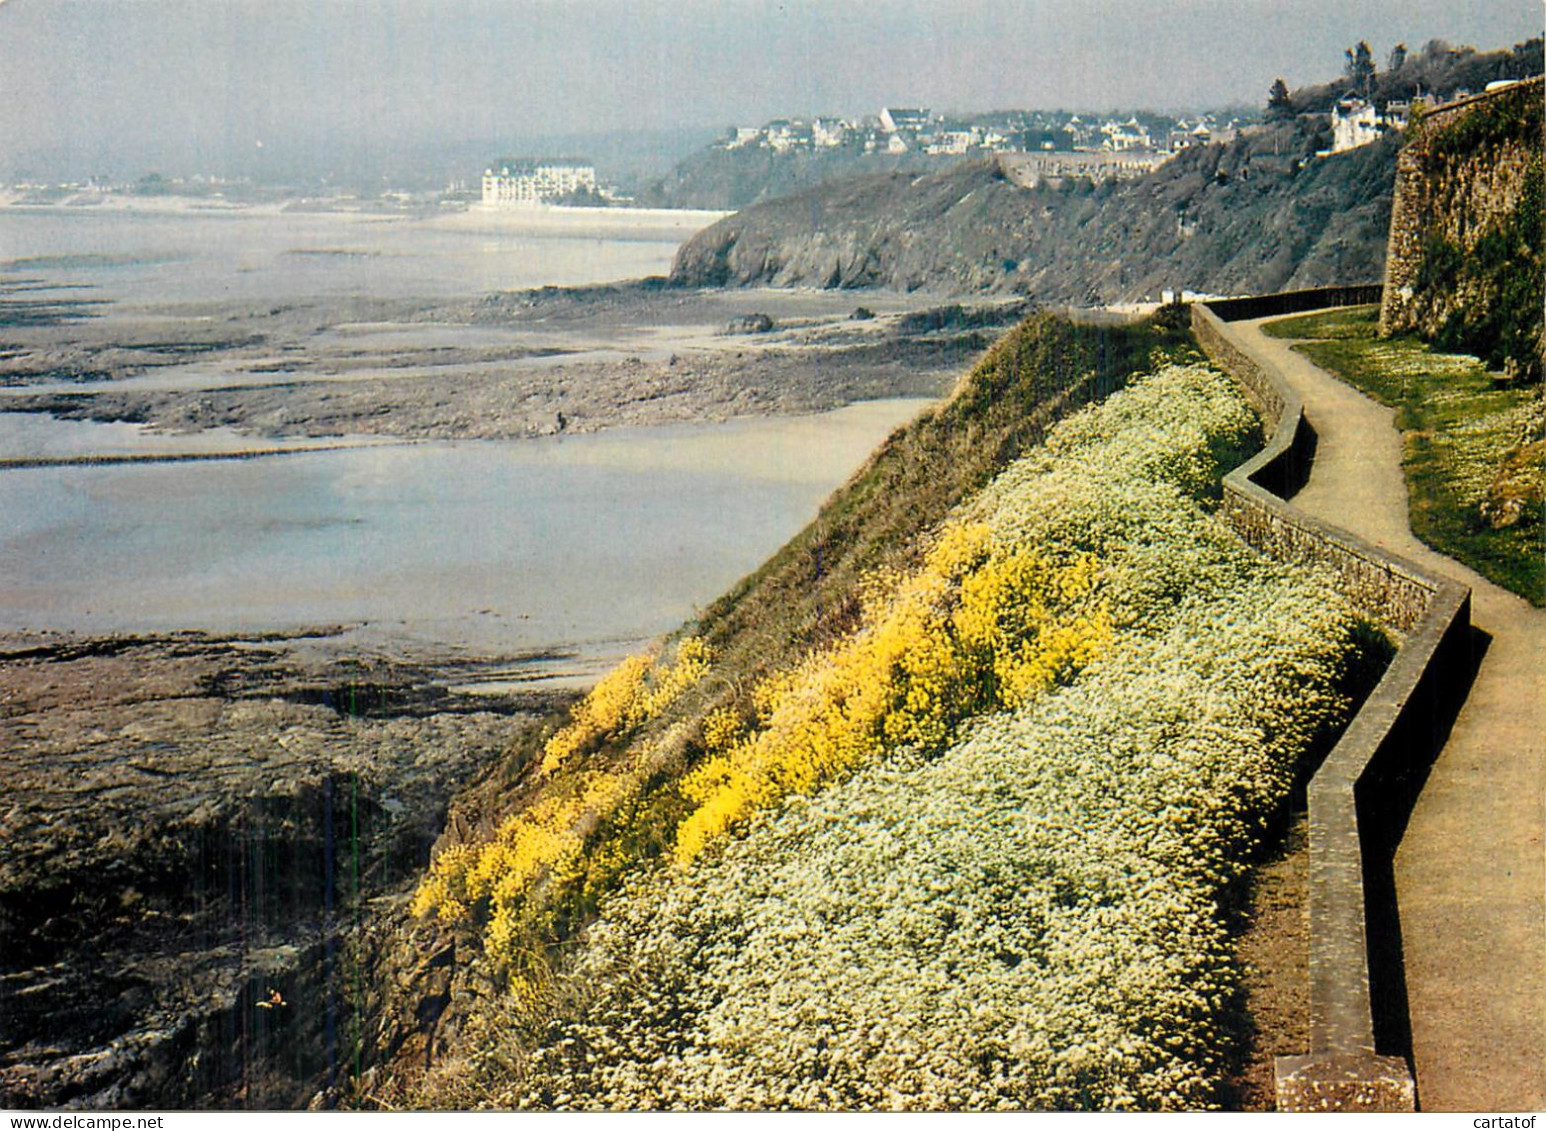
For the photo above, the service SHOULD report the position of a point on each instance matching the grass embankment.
(949, 805)
(1474, 447)
(1035, 912)
(808, 596)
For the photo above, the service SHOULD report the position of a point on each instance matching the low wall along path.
(1467, 887)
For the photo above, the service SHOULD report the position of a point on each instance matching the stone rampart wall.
(1374, 584)
(1357, 1058)
(1452, 198)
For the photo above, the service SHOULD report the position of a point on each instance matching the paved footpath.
(1471, 869)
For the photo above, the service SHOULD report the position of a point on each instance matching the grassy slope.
(1162, 676)
(808, 594)
(1460, 431)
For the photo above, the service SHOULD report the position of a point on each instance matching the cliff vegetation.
(945, 807)
(1257, 215)
(1438, 68)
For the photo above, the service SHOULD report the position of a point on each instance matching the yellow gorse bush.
(546, 845)
(625, 698)
(1009, 620)
(977, 628)
(543, 841)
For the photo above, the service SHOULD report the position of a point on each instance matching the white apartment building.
(523, 182)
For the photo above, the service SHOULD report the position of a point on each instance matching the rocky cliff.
(1258, 215)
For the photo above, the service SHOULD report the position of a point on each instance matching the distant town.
(1034, 146)
(900, 130)
(1037, 146)
(1067, 144)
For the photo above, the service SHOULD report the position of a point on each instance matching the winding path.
(1471, 869)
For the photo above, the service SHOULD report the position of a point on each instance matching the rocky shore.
(509, 366)
(190, 826)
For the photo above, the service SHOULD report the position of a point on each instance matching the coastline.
(475, 215)
(171, 760)
(542, 217)
(173, 789)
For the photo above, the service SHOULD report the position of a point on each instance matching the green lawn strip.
(1459, 429)
(1348, 322)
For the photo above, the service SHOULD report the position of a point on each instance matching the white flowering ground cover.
(1032, 919)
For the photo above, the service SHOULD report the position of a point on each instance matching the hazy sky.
(208, 76)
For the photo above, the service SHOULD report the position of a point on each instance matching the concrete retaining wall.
(1294, 302)
(1359, 795)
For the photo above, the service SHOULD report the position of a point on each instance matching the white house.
(1126, 135)
(952, 141)
(829, 133)
(784, 135)
(1353, 123)
(1082, 134)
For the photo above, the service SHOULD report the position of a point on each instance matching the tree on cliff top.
(1360, 68)
(1280, 104)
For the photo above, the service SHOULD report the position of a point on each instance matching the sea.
(270, 254)
(584, 543)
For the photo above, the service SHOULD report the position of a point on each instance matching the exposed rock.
(750, 324)
(1257, 215)
(191, 830)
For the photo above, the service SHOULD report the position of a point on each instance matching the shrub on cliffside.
(670, 752)
(1029, 916)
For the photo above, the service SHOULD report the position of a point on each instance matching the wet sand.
(526, 364)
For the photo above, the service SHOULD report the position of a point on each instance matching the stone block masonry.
(1466, 171)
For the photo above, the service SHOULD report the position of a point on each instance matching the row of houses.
(897, 130)
(1046, 147)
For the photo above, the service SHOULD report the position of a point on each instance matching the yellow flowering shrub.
(605, 709)
(626, 697)
(976, 628)
(722, 729)
(547, 851)
(540, 850)
(1006, 619)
